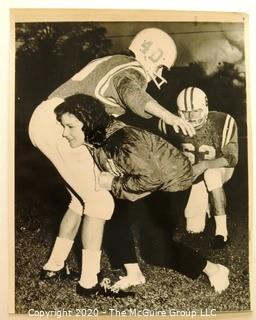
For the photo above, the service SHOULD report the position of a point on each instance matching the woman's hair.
(91, 112)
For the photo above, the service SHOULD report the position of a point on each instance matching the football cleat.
(126, 282)
(219, 242)
(63, 274)
(220, 280)
(103, 288)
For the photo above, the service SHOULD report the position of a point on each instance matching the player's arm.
(200, 167)
(169, 118)
(230, 142)
(229, 148)
(131, 90)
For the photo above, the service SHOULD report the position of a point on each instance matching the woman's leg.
(118, 238)
(92, 233)
(119, 244)
(174, 254)
(63, 244)
(164, 212)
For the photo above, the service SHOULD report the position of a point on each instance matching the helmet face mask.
(194, 117)
(157, 77)
(154, 49)
(193, 106)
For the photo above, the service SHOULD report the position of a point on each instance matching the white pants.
(75, 165)
(198, 202)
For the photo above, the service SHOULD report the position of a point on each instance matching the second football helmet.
(154, 49)
(192, 105)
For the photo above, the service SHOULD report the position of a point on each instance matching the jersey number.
(156, 55)
(205, 152)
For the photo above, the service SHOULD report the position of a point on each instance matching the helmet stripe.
(225, 129)
(191, 98)
(230, 130)
(185, 99)
(188, 99)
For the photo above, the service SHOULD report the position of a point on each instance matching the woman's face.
(72, 130)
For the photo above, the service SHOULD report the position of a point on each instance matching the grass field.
(40, 201)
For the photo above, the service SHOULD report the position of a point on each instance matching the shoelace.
(106, 284)
(67, 270)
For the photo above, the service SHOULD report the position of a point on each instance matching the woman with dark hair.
(134, 164)
(94, 121)
(120, 83)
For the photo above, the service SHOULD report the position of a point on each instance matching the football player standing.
(120, 83)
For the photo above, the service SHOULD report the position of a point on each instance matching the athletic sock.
(60, 252)
(221, 226)
(90, 268)
(133, 270)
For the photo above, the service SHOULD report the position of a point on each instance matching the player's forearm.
(179, 124)
(157, 110)
(230, 152)
(216, 163)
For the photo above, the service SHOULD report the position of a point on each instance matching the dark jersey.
(142, 162)
(217, 138)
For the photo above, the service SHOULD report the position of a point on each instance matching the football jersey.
(217, 138)
(118, 81)
(141, 162)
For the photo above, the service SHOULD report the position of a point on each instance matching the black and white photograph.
(131, 181)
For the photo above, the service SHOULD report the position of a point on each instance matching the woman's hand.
(105, 180)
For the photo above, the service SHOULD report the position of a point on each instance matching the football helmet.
(192, 105)
(154, 49)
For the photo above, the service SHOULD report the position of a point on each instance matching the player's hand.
(179, 124)
(105, 180)
(199, 169)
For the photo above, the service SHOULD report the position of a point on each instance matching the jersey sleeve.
(130, 86)
(229, 144)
